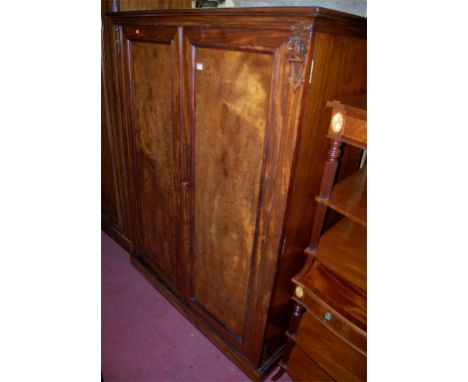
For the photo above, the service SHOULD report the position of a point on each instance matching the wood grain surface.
(302, 368)
(114, 216)
(339, 359)
(232, 93)
(277, 158)
(349, 197)
(343, 249)
(354, 127)
(321, 284)
(355, 130)
(236, 214)
(152, 76)
(109, 201)
(339, 69)
(139, 5)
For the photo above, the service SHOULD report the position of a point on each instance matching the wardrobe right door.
(240, 120)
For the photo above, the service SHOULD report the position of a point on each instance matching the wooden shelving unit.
(327, 337)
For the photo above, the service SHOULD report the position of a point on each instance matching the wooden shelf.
(343, 249)
(349, 197)
(300, 367)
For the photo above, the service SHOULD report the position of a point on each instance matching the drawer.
(302, 368)
(337, 357)
(336, 304)
(337, 323)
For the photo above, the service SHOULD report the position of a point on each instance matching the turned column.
(329, 173)
(296, 315)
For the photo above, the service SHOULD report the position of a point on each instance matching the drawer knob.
(327, 316)
(299, 292)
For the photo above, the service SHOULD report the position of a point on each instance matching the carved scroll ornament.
(298, 46)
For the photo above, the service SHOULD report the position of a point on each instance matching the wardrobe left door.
(114, 217)
(149, 66)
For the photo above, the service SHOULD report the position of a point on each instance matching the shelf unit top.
(349, 121)
(355, 105)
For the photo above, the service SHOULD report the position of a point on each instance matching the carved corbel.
(298, 46)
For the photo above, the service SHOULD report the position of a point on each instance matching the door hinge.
(283, 247)
(117, 40)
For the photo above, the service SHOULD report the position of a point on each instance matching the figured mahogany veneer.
(220, 119)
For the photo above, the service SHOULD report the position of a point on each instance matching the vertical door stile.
(187, 183)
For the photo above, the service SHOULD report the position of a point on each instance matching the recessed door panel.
(153, 67)
(231, 107)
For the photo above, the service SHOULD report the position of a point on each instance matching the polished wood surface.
(355, 105)
(325, 21)
(332, 331)
(302, 368)
(276, 160)
(349, 197)
(235, 126)
(349, 121)
(296, 315)
(343, 249)
(354, 131)
(327, 292)
(340, 360)
(232, 95)
(109, 201)
(139, 5)
(325, 289)
(343, 129)
(340, 325)
(114, 215)
(153, 129)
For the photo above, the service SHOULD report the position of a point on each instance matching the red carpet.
(144, 338)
